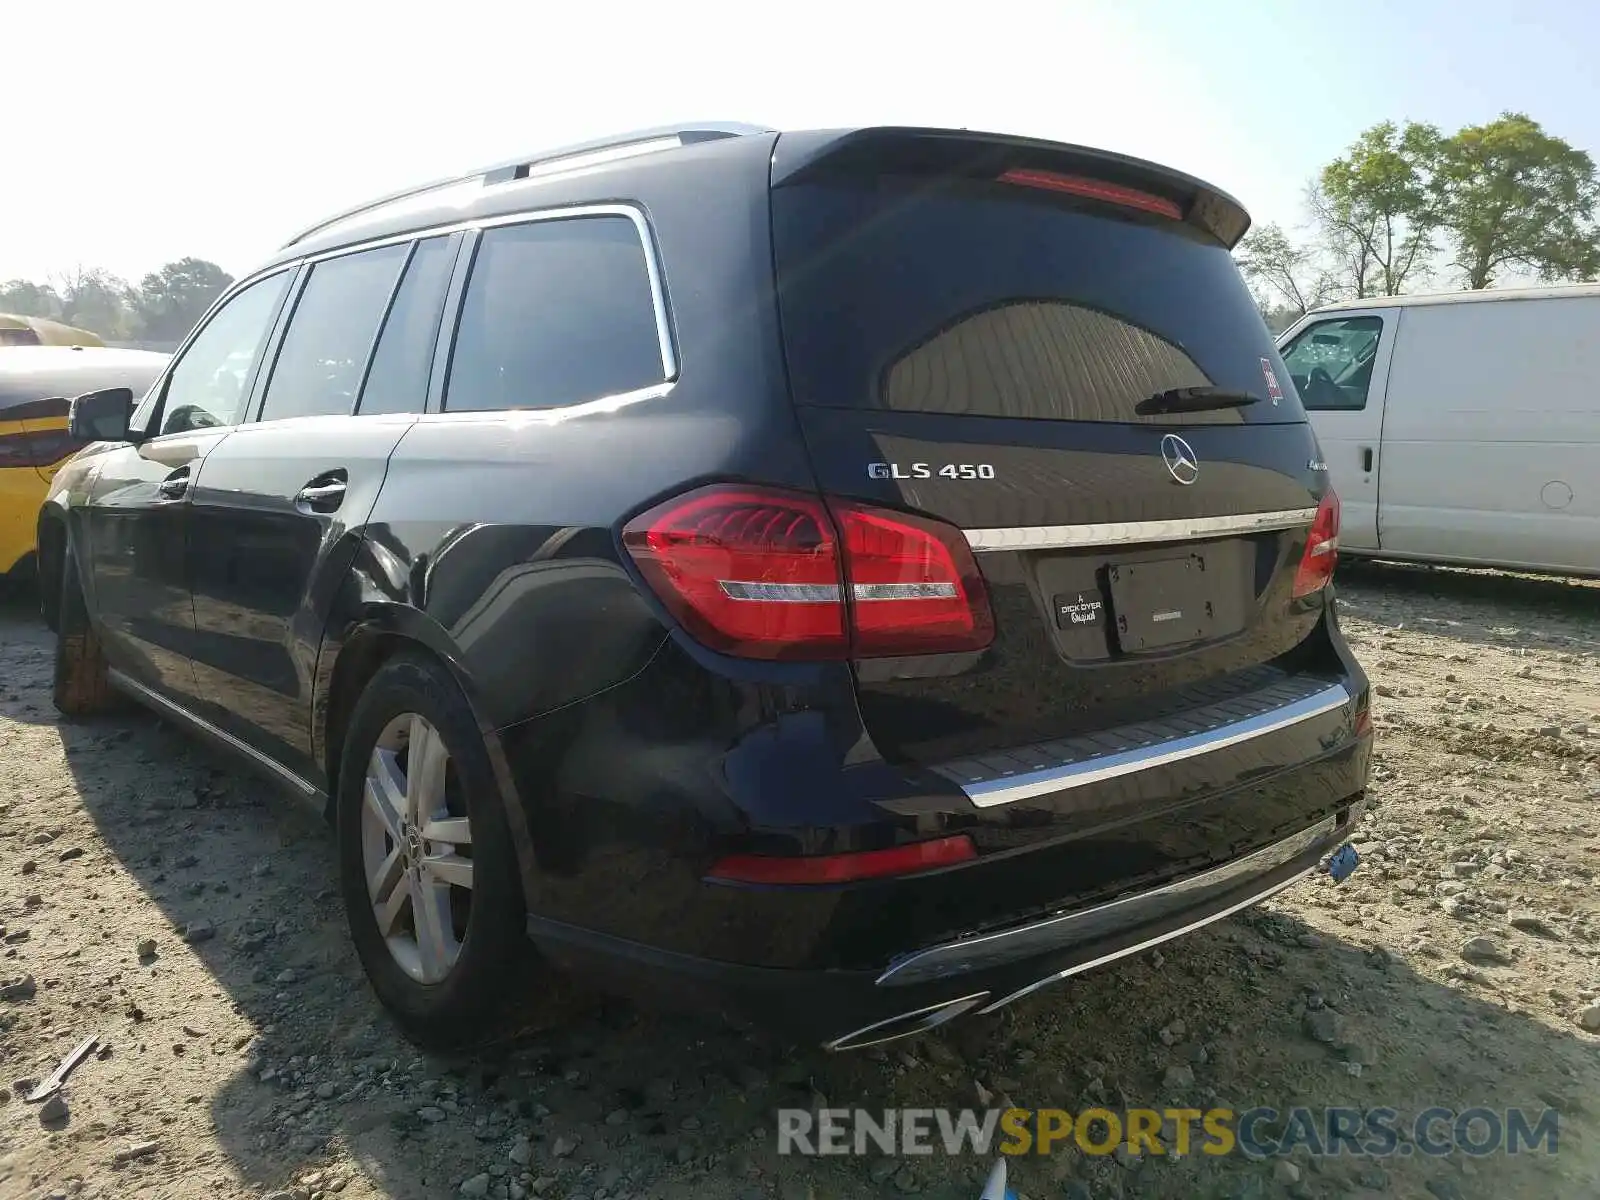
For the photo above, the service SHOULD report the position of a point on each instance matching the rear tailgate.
(971, 325)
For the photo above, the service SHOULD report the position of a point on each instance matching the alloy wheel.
(416, 848)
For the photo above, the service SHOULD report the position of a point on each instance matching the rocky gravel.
(155, 896)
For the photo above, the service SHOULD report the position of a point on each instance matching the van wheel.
(426, 866)
(81, 686)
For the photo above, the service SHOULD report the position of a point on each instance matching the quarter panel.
(520, 565)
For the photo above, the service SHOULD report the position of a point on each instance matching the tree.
(94, 299)
(171, 300)
(1377, 207)
(24, 298)
(1510, 194)
(1290, 274)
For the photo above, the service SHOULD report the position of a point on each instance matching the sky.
(138, 133)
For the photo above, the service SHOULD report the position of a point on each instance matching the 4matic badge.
(922, 470)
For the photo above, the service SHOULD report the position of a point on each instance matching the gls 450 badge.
(921, 470)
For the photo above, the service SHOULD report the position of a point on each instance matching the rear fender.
(361, 638)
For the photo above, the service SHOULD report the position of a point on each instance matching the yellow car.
(36, 385)
(38, 331)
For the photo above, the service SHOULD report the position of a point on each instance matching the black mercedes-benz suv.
(839, 579)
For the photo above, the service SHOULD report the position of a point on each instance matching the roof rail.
(519, 168)
(380, 202)
(699, 131)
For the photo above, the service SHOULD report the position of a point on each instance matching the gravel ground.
(155, 896)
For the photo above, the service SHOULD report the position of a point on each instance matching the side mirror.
(101, 416)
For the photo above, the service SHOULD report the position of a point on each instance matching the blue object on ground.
(1343, 863)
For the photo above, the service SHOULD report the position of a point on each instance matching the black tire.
(81, 686)
(493, 979)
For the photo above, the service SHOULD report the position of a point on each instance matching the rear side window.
(993, 300)
(398, 380)
(1331, 363)
(556, 313)
(324, 353)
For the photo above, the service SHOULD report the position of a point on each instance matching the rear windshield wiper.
(1193, 399)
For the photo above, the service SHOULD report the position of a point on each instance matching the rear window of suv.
(978, 299)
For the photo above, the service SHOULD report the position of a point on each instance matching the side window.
(556, 312)
(398, 380)
(207, 386)
(1331, 363)
(324, 353)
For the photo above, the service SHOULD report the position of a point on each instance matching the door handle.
(175, 485)
(321, 497)
(1366, 458)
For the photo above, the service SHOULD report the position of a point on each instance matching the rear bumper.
(631, 797)
(850, 1009)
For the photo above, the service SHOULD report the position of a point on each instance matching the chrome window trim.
(513, 418)
(1011, 788)
(641, 225)
(652, 262)
(1121, 533)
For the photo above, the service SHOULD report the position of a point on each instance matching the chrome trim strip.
(652, 261)
(515, 418)
(1170, 935)
(155, 699)
(1121, 533)
(1052, 933)
(1125, 762)
(932, 1017)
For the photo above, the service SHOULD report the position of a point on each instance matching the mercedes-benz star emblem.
(1181, 462)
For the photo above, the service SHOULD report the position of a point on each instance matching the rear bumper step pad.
(1022, 773)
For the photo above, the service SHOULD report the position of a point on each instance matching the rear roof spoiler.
(810, 156)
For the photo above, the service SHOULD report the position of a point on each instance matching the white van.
(1460, 428)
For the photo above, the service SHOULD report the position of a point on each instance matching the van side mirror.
(101, 416)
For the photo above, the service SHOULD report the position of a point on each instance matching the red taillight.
(763, 573)
(845, 868)
(914, 587)
(753, 573)
(1322, 548)
(1094, 189)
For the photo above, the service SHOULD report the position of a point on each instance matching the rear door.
(988, 334)
(1340, 367)
(283, 499)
